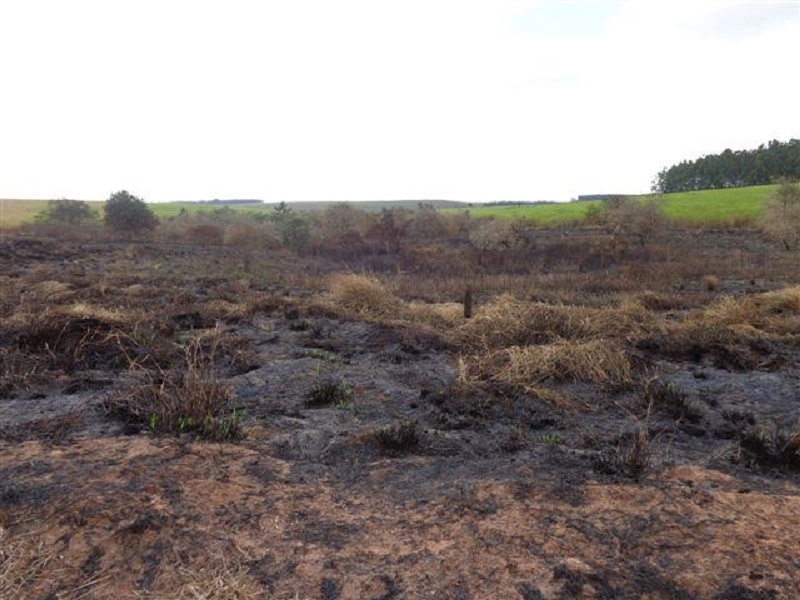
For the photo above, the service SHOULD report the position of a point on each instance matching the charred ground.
(190, 420)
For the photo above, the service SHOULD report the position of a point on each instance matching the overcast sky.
(379, 99)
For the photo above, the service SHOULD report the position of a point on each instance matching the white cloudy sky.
(374, 99)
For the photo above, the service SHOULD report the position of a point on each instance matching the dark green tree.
(729, 168)
(71, 212)
(125, 213)
(293, 229)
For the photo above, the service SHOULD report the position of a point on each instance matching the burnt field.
(214, 421)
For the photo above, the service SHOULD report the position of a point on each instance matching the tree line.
(730, 169)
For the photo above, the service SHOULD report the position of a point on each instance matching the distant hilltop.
(217, 201)
(583, 197)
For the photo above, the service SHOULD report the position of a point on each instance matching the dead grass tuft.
(219, 309)
(597, 361)
(28, 568)
(508, 321)
(22, 561)
(221, 582)
(772, 312)
(363, 295)
(711, 283)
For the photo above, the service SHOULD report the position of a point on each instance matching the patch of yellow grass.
(507, 321)
(50, 290)
(222, 309)
(85, 310)
(442, 316)
(597, 361)
(772, 312)
(363, 295)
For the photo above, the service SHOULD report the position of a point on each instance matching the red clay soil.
(132, 517)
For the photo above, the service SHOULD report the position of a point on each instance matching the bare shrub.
(781, 220)
(632, 220)
(248, 234)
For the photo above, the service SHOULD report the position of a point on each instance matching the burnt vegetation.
(412, 358)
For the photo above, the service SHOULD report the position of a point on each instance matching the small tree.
(781, 219)
(72, 212)
(292, 228)
(126, 213)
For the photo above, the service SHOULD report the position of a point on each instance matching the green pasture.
(705, 206)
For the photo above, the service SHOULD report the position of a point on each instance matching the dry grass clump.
(191, 400)
(659, 301)
(49, 291)
(440, 316)
(509, 322)
(29, 568)
(115, 315)
(222, 581)
(219, 309)
(711, 283)
(775, 312)
(363, 295)
(596, 361)
(737, 331)
(23, 560)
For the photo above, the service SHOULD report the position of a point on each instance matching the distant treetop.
(731, 169)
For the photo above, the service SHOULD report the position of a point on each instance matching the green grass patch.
(718, 205)
(542, 214)
(705, 206)
(165, 210)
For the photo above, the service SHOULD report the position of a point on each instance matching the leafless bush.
(781, 220)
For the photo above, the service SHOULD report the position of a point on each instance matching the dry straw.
(596, 361)
(508, 321)
(363, 295)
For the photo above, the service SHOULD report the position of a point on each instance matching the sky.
(384, 99)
